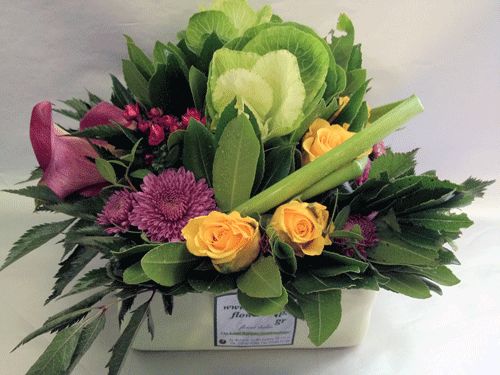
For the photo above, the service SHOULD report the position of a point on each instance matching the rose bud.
(156, 135)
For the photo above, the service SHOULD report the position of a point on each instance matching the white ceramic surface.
(191, 326)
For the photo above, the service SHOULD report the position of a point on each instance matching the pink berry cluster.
(157, 124)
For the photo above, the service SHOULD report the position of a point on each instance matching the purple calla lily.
(64, 159)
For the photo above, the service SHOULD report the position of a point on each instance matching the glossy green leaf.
(441, 275)
(134, 275)
(168, 264)
(199, 150)
(351, 109)
(307, 282)
(278, 161)
(136, 82)
(212, 282)
(262, 279)
(436, 220)
(409, 285)
(322, 313)
(121, 95)
(139, 58)
(392, 251)
(235, 163)
(106, 170)
(198, 85)
(263, 306)
(285, 257)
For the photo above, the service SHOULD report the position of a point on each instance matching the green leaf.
(93, 279)
(354, 79)
(199, 150)
(134, 275)
(180, 58)
(322, 313)
(342, 46)
(393, 251)
(70, 268)
(211, 44)
(213, 282)
(278, 161)
(262, 279)
(201, 25)
(169, 264)
(133, 251)
(441, 275)
(136, 82)
(341, 218)
(351, 110)
(55, 324)
(121, 347)
(35, 174)
(87, 338)
(198, 85)
(335, 270)
(361, 119)
(86, 209)
(56, 359)
(125, 306)
(356, 59)
(235, 163)
(106, 170)
(469, 190)
(140, 173)
(160, 53)
(34, 238)
(121, 95)
(338, 258)
(312, 56)
(293, 308)
(441, 221)
(306, 282)
(285, 257)
(83, 307)
(393, 164)
(409, 285)
(139, 58)
(40, 192)
(169, 88)
(263, 306)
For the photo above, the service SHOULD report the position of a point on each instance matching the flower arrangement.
(243, 157)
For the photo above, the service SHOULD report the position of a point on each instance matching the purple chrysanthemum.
(368, 231)
(166, 203)
(115, 214)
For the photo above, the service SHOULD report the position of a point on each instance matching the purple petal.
(63, 159)
(103, 113)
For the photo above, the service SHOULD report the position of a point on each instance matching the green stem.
(334, 159)
(347, 173)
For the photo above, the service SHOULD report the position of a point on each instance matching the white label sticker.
(235, 327)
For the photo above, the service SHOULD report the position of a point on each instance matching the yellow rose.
(343, 101)
(229, 240)
(302, 226)
(321, 138)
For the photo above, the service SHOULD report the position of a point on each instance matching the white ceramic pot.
(205, 322)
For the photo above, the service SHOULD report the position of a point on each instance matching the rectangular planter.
(208, 322)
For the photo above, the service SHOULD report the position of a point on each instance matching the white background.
(444, 51)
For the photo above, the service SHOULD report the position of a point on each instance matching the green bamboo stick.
(320, 168)
(347, 173)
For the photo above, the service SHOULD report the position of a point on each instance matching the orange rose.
(229, 240)
(302, 226)
(322, 137)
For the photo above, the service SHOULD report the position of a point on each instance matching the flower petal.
(103, 113)
(63, 159)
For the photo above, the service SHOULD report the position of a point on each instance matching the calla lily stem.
(322, 167)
